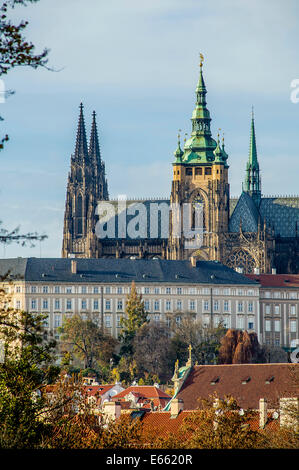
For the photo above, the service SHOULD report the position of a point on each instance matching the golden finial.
(179, 134)
(189, 362)
(201, 59)
(218, 135)
(185, 137)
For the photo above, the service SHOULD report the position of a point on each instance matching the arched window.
(241, 259)
(79, 206)
(198, 220)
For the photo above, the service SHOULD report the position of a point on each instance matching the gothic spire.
(252, 180)
(81, 150)
(252, 148)
(94, 148)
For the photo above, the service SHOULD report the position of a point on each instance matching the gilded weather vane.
(201, 59)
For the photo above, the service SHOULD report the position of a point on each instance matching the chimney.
(273, 270)
(74, 266)
(111, 410)
(263, 412)
(256, 270)
(176, 406)
(193, 261)
(289, 408)
(239, 270)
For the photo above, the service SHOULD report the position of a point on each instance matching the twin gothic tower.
(249, 233)
(87, 184)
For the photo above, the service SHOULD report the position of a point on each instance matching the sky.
(136, 64)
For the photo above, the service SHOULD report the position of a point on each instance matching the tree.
(220, 425)
(26, 367)
(205, 340)
(239, 347)
(86, 341)
(136, 316)
(153, 352)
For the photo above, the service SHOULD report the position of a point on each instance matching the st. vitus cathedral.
(252, 233)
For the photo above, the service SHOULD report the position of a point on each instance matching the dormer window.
(246, 380)
(215, 380)
(269, 379)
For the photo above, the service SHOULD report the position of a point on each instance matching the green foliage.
(205, 340)
(136, 316)
(26, 368)
(86, 341)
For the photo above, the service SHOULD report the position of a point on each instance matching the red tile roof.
(199, 384)
(276, 280)
(145, 394)
(161, 424)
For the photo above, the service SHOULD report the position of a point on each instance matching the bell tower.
(86, 185)
(200, 181)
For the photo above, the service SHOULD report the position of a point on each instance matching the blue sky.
(136, 64)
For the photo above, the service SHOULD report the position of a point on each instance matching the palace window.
(208, 170)
(293, 326)
(198, 171)
(189, 171)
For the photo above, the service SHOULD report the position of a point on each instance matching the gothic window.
(79, 206)
(241, 259)
(79, 175)
(198, 213)
(79, 227)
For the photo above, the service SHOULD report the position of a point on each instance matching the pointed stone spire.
(94, 148)
(81, 150)
(252, 184)
(252, 148)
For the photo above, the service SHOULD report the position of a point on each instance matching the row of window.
(276, 309)
(155, 304)
(108, 319)
(277, 326)
(279, 295)
(142, 290)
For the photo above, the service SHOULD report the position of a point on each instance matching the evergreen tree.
(136, 316)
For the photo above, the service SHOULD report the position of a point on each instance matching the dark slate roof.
(124, 270)
(140, 210)
(13, 268)
(282, 213)
(246, 211)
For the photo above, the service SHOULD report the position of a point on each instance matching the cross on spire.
(81, 150)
